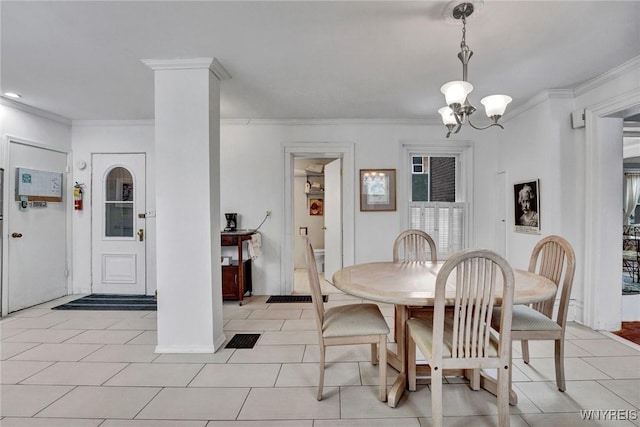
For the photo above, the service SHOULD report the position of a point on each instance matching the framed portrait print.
(315, 206)
(526, 197)
(377, 190)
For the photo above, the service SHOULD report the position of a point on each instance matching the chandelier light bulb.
(456, 92)
(495, 105)
(447, 116)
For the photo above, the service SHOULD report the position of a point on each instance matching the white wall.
(614, 94)
(537, 143)
(31, 126)
(251, 167)
(580, 185)
(540, 144)
(252, 183)
(109, 137)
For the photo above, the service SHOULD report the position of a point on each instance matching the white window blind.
(443, 221)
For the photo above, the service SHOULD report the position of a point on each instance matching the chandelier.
(459, 109)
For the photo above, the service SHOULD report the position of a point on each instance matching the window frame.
(463, 152)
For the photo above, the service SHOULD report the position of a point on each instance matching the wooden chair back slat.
(476, 286)
(414, 245)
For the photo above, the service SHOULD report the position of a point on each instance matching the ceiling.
(305, 60)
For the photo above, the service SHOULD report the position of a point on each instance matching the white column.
(187, 133)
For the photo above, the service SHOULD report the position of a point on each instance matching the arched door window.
(118, 203)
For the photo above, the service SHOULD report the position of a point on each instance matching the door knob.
(16, 235)
(141, 234)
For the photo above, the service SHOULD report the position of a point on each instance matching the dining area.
(460, 315)
(75, 368)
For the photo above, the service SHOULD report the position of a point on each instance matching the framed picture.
(377, 190)
(124, 190)
(526, 197)
(315, 206)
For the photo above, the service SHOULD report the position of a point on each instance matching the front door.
(118, 226)
(37, 232)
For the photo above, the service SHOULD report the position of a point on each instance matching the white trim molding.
(610, 75)
(594, 314)
(33, 110)
(187, 64)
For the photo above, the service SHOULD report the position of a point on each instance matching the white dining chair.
(464, 339)
(413, 246)
(346, 325)
(554, 258)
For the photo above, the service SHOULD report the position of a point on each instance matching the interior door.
(332, 218)
(118, 224)
(37, 235)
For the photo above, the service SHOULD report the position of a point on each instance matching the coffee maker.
(232, 221)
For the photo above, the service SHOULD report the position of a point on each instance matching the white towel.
(254, 245)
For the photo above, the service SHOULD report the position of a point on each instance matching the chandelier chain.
(463, 43)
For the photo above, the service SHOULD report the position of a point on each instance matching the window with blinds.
(433, 207)
(443, 221)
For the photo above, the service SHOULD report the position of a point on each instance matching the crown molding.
(608, 76)
(331, 122)
(112, 123)
(33, 110)
(189, 64)
(543, 96)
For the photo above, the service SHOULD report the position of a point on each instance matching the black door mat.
(104, 302)
(293, 298)
(243, 341)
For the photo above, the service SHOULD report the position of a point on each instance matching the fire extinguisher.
(77, 197)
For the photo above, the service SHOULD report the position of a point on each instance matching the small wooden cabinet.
(236, 278)
(232, 286)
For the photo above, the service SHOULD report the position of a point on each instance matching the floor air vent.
(293, 298)
(243, 341)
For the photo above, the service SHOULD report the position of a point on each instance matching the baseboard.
(162, 349)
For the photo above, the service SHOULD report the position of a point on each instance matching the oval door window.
(118, 204)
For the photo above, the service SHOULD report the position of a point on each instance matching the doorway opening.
(337, 207)
(312, 219)
(630, 306)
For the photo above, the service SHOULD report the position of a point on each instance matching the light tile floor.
(82, 369)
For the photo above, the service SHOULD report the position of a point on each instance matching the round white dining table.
(410, 284)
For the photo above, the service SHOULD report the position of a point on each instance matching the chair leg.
(474, 379)
(321, 381)
(411, 363)
(525, 351)
(436, 396)
(374, 354)
(504, 390)
(382, 356)
(560, 364)
(396, 322)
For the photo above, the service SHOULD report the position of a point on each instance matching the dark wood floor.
(630, 331)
